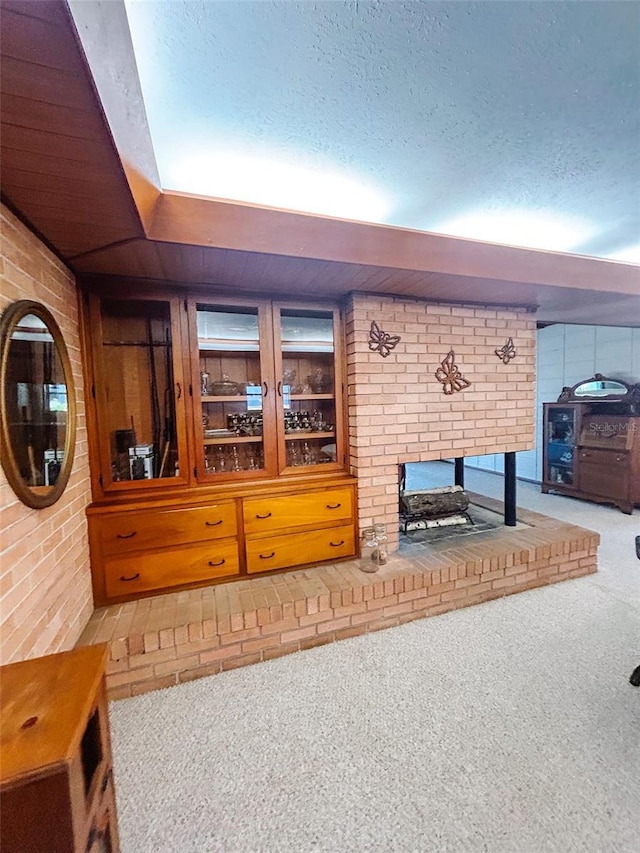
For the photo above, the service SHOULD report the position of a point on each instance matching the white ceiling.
(511, 122)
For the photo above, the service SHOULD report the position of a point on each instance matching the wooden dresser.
(146, 547)
(56, 782)
(592, 443)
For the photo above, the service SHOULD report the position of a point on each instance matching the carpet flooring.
(509, 726)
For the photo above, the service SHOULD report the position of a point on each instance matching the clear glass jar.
(380, 534)
(369, 551)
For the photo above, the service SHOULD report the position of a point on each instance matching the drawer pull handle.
(219, 563)
(267, 556)
(337, 544)
(132, 578)
(212, 523)
(333, 506)
(126, 535)
(268, 515)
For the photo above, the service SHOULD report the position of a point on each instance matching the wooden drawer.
(171, 567)
(262, 515)
(123, 533)
(604, 473)
(294, 549)
(604, 458)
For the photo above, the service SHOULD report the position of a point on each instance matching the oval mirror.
(38, 412)
(600, 388)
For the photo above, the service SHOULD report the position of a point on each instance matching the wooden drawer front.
(262, 515)
(171, 567)
(604, 458)
(138, 531)
(604, 474)
(294, 549)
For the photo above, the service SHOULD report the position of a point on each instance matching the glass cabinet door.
(308, 411)
(138, 385)
(560, 445)
(231, 391)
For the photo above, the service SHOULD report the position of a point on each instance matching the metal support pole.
(510, 489)
(459, 472)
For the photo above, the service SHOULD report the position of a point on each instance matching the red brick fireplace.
(398, 411)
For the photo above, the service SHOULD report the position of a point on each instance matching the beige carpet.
(510, 726)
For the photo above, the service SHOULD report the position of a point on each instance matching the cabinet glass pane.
(231, 388)
(137, 357)
(561, 439)
(308, 387)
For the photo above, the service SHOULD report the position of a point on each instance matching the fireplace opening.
(431, 513)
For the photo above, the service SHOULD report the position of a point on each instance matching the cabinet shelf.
(242, 398)
(313, 347)
(144, 344)
(233, 439)
(228, 347)
(229, 398)
(304, 436)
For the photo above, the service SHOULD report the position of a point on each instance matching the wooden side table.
(56, 783)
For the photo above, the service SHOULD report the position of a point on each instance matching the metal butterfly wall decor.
(449, 374)
(507, 352)
(380, 341)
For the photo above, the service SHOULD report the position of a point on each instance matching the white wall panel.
(565, 355)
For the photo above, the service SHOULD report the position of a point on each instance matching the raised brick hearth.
(166, 640)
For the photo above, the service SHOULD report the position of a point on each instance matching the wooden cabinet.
(56, 781)
(295, 529)
(267, 390)
(125, 533)
(138, 429)
(199, 408)
(561, 428)
(264, 515)
(592, 443)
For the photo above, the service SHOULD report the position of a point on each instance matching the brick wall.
(397, 409)
(45, 581)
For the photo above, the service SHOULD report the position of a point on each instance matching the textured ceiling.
(511, 122)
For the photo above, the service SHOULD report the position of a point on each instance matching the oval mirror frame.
(601, 388)
(39, 496)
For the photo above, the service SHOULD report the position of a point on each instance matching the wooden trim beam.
(181, 218)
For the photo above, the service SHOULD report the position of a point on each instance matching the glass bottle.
(235, 459)
(294, 453)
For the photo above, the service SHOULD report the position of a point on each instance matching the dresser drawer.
(123, 533)
(171, 567)
(604, 458)
(262, 515)
(295, 549)
(605, 474)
